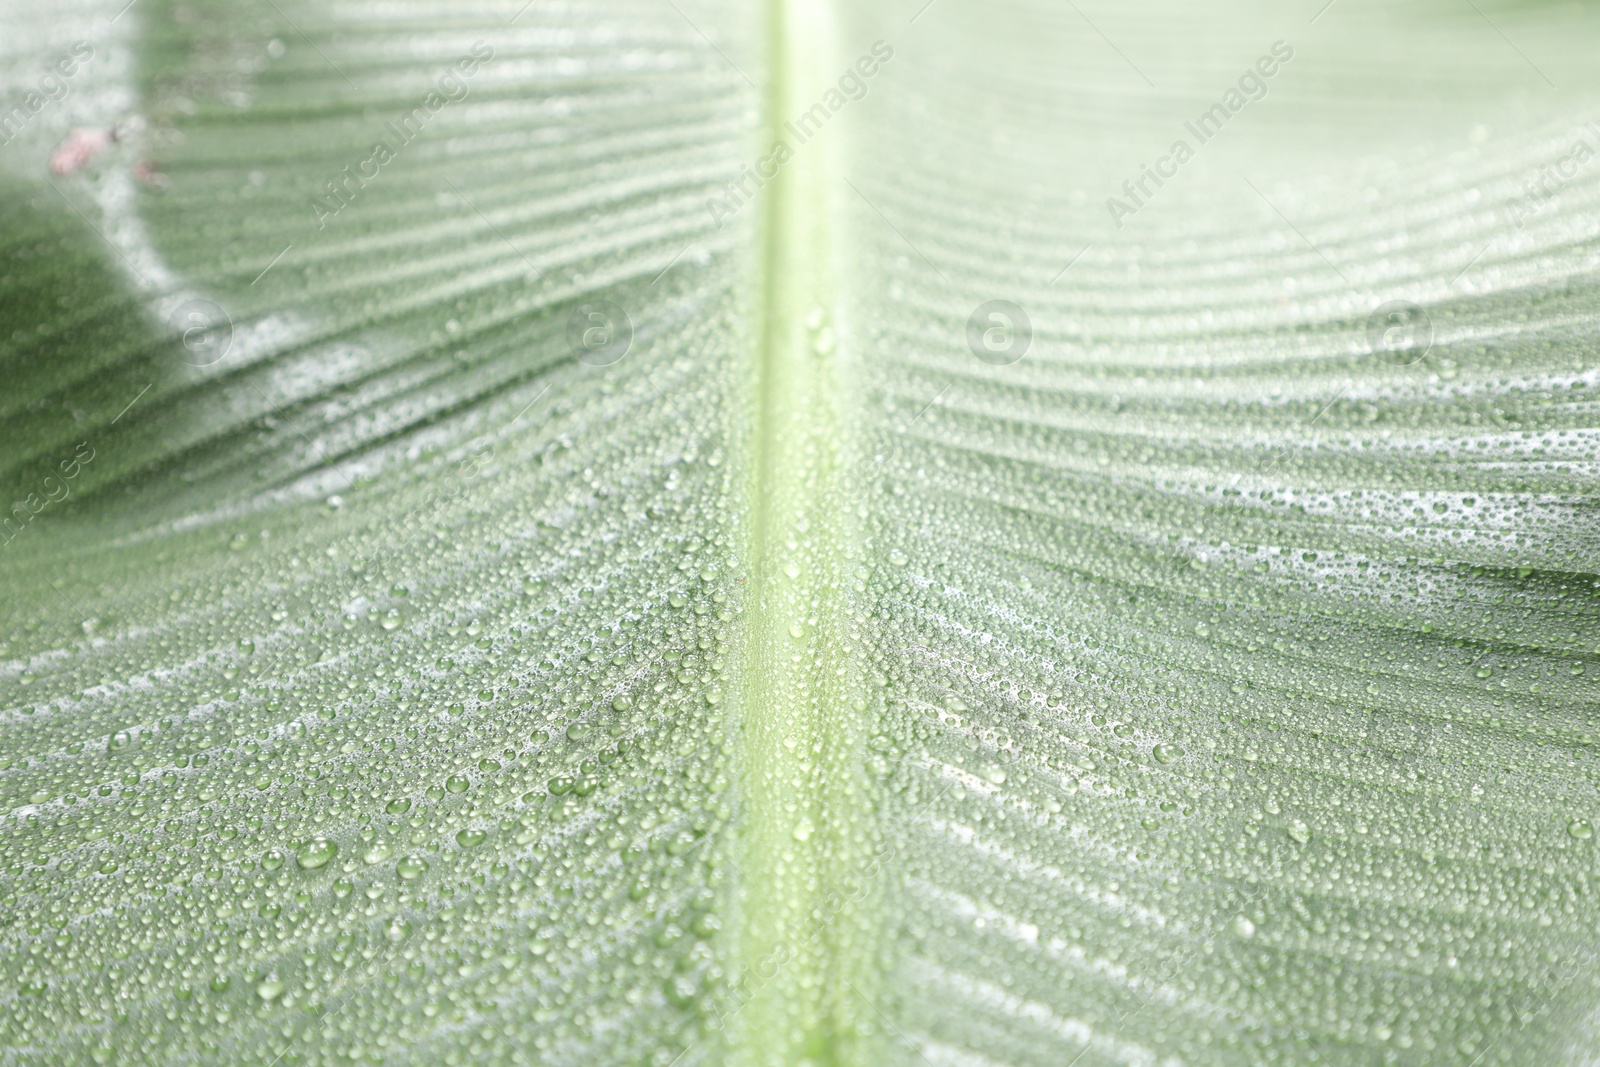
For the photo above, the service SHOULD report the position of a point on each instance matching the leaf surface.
(558, 579)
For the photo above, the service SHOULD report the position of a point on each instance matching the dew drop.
(315, 853)
(410, 868)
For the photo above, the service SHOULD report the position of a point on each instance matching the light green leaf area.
(590, 587)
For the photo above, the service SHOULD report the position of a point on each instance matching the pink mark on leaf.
(79, 150)
(149, 172)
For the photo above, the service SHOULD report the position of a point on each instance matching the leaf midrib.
(802, 948)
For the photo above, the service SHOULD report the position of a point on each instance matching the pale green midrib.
(799, 729)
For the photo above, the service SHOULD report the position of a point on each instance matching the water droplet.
(410, 868)
(457, 783)
(315, 853)
(1580, 829)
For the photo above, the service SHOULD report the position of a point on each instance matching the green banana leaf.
(686, 532)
